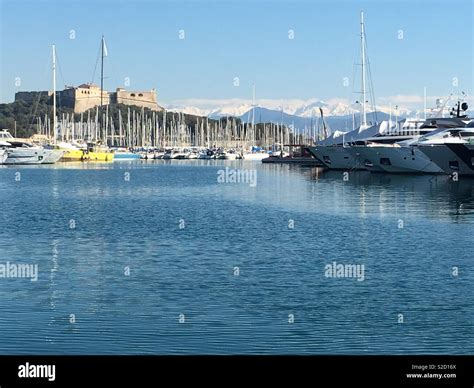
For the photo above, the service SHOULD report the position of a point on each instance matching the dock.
(302, 160)
(299, 154)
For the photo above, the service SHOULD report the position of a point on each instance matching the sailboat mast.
(390, 118)
(253, 106)
(253, 115)
(54, 96)
(424, 102)
(362, 43)
(55, 135)
(102, 73)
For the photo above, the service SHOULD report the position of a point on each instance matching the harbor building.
(82, 97)
(146, 99)
(87, 96)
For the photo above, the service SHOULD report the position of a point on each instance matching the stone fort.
(87, 96)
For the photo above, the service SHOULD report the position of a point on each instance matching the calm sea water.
(182, 236)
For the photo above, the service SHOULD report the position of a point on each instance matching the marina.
(410, 145)
(226, 178)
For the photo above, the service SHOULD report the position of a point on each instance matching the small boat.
(123, 154)
(256, 155)
(227, 155)
(176, 153)
(167, 153)
(180, 154)
(206, 154)
(193, 154)
(147, 155)
(85, 153)
(221, 154)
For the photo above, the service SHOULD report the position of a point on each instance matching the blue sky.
(245, 39)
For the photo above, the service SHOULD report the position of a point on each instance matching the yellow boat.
(89, 154)
(85, 156)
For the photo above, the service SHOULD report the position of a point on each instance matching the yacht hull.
(256, 156)
(337, 157)
(53, 156)
(399, 160)
(365, 157)
(452, 158)
(26, 156)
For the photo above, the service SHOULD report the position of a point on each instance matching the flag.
(105, 47)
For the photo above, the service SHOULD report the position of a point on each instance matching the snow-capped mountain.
(210, 108)
(234, 107)
(340, 122)
(301, 108)
(297, 112)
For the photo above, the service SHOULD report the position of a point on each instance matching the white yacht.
(332, 151)
(452, 150)
(24, 153)
(336, 156)
(401, 157)
(392, 151)
(20, 152)
(405, 156)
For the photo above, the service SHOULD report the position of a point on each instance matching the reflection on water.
(180, 235)
(430, 195)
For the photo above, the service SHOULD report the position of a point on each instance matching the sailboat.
(18, 151)
(15, 151)
(78, 150)
(255, 153)
(332, 151)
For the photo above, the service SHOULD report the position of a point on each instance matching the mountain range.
(339, 113)
(298, 114)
